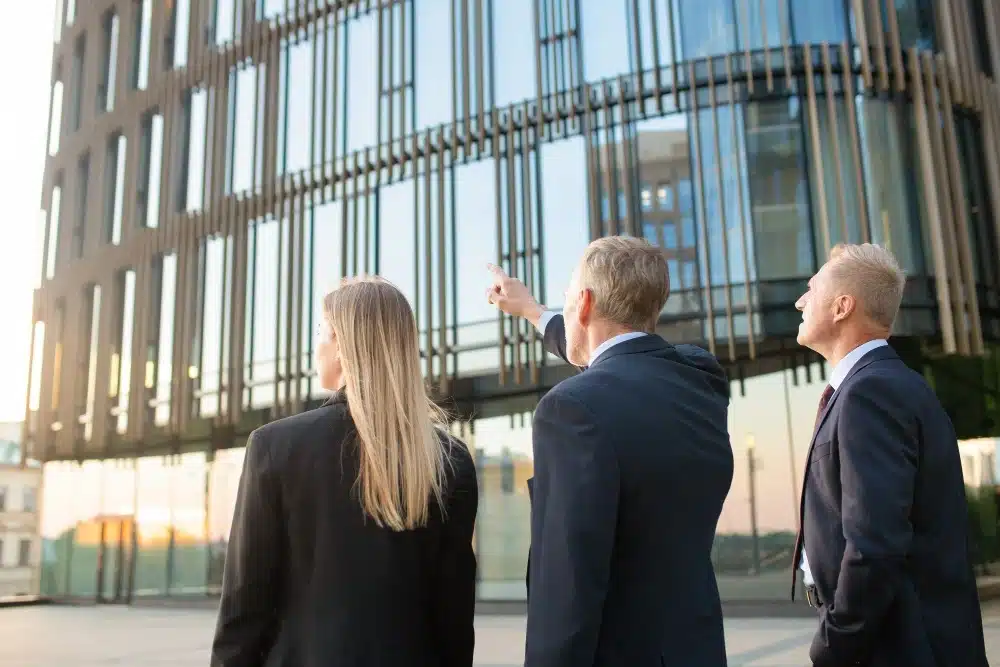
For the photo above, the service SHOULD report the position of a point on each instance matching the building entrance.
(115, 559)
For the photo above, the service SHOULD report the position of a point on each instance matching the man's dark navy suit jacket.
(632, 466)
(885, 526)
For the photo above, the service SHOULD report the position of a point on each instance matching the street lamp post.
(752, 474)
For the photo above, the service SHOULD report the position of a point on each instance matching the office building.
(19, 540)
(216, 166)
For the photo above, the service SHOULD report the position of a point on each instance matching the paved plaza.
(56, 636)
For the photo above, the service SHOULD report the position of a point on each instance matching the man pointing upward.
(632, 466)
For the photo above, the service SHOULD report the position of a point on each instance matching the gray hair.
(870, 274)
(629, 280)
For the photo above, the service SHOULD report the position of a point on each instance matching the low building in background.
(20, 489)
(979, 462)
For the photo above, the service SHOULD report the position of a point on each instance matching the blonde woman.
(351, 542)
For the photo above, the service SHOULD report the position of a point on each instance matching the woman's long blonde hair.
(402, 455)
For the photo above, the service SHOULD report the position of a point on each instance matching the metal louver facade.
(215, 165)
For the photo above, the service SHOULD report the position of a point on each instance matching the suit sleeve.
(878, 446)
(553, 328)
(455, 605)
(573, 520)
(251, 584)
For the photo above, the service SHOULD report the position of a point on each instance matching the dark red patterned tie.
(824, 400)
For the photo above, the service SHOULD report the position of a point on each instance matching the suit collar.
(336, 397)
(632, 345)
(877, 353)
(847, 364)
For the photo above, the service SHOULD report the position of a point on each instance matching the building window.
(88, 361)
(60, 21)
(269, 9)
(109, 65)
(159, 345)
(665, 197)
(80, 219)
(76, 107)
(150, 170)
(646, 197)
(295, 113)
(115, 180)
(121, 355)
(140, 47)
(227, 13)
(3, 498)
(52, 236)
(30, 499)
(180, 24)
(24, 554)
(243, 168)
(191, 185)
(55, 117)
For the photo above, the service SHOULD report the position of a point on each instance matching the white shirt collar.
(841, 370)
(611, 342)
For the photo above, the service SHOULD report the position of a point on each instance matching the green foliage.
(982, 512)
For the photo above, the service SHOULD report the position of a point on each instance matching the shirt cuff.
(544, 320)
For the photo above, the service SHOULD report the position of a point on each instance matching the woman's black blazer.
(311, 582)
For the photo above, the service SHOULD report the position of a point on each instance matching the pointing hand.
(512, 296)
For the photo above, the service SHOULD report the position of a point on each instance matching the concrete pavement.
(57, 636)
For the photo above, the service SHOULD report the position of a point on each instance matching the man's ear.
(585, 311)
(843, 306)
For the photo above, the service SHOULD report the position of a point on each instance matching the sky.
(27, 55)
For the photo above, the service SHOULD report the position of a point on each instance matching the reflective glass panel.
(164, 348)
(117, 152)
(87, 533)
(605, 30)
(143, 29)
(55, 117)
(362, 83)
(891, 212)
(502, 449)
(52, 242)
(434, 63)
(817, 21)
(153, 526)
(244, 102)
(513, 52)
(189, 542)
(295, 111)
(58, 523)
(181, 16)
(779, 194)
(224, 482)
(197, 153)
(475, 247)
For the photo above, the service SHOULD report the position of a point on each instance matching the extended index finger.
(498, 273)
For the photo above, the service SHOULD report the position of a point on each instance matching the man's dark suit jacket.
(632, 466)
(309, 582)
(885, 526)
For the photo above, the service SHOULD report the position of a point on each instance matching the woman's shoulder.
(320, 420)
(461, 464)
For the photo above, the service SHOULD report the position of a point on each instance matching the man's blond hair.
(629, 280)
(870, 274)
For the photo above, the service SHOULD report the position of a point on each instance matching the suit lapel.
(878, 354)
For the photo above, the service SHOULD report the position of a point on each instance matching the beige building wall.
(20, 555)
